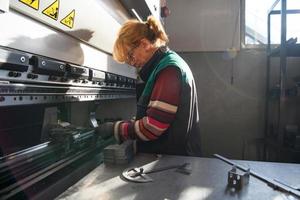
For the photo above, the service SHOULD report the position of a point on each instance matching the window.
(256, 19)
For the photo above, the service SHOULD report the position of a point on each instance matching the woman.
(167, 120)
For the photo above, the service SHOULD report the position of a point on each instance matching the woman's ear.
(146, 44)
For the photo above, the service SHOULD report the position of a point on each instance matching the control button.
(14, 74)
(11, 74)
(2, 98)
(23, 59)
(30, 76)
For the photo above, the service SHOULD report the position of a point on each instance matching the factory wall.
(231, 95)
(231, 100)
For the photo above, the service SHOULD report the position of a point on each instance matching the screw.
(43, 63)
(22, 59)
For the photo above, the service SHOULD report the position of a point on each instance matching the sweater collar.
(148, 68)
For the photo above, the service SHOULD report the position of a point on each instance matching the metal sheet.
(208, 180)
(89, 15)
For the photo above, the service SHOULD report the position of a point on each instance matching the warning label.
(32, 3)
(69, 19)
(52, 10)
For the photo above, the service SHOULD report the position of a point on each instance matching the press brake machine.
(56, 57)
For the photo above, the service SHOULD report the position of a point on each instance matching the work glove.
(105, 130)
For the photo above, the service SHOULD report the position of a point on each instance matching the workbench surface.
(208, 180)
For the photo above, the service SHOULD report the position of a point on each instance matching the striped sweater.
(160, 113)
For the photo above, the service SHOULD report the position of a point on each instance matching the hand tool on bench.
(140, 175)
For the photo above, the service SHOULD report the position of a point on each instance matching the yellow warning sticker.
(52, 10)
(32, 3)
(69, 19)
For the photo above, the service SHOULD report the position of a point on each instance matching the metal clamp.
(238, 180)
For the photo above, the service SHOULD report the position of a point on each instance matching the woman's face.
(139, 55)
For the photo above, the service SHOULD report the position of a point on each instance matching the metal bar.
(24, 151)
(273, 6)
(68, 87)
(42, 174)
(283, 76)
(269, 34)
(24, 171)
(31, 155)
(255, 35)
(267, 180)
(277, 12)
(28, 166)
(162, 169)
(56, 94)
(266, 128)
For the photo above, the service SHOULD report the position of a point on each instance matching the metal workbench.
(208, 180)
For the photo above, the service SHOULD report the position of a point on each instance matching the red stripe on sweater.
(160, 115)
(158, 124)
(125, 130)
(145, 132)
(167, 86)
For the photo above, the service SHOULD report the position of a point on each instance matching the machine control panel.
(47, 66)
(111, 79)
(97, 77)
(13, 61)
(122, 80)
(77, 71)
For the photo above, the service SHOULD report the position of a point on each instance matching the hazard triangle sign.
(69, 19)
(32, 3)
(52, 10)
